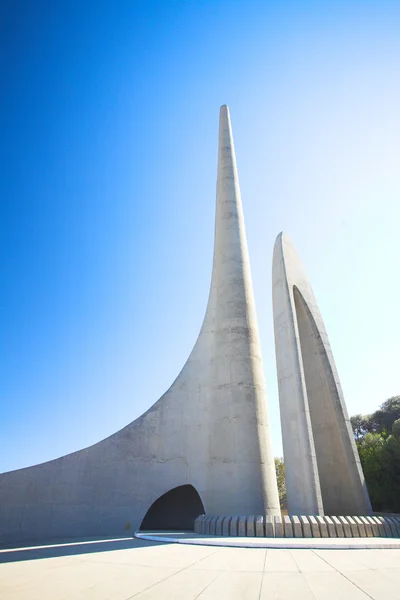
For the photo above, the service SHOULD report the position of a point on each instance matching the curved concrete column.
(210, 429)
(323, 470)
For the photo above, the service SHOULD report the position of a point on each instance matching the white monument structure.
(201, 456)
(203, 447)
(323, 470)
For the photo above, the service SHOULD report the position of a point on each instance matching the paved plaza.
(132, 568)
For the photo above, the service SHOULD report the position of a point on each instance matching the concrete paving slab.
(153, 571)
(131, 583)
(232, 586)
(307, 561)
(342, 560)
(333, 586)
(379, 560)
(287, 586)
(171, 556)
(392, 573)
(189, 583)
(376, 585)
(163, 555)
(280, 561)
(234, 559)
(78, 580)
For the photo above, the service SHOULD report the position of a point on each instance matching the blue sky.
(109, 121)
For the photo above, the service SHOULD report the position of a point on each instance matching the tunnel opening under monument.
(177, 509)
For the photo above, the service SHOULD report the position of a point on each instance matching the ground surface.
(327, 543)
(131, 568)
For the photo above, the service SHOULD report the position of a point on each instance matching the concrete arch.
(176, 509)
(210, 429)
(323, 470)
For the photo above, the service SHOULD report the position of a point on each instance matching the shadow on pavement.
(72, 547)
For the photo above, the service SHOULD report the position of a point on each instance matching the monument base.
(298, 526)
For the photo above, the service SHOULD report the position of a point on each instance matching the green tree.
(378, 442)
(381, 421)
(280, 477)
(396, 428)
(386, 415)
(360, 425)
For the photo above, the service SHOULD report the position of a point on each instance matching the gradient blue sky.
(109, 118)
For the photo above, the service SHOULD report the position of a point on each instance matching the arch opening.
(176, 509)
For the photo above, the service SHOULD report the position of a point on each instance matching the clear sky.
(109, 124)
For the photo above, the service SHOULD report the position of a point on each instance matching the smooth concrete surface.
(330, 526)
(269, 526)
(323, 470)
(210, 429)
(323, 528)
(298, 526)
(150, 571)
(339, 527)
(305, 526)
(287, 526)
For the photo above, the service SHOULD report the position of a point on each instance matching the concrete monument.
(203, 447)
(323, 471)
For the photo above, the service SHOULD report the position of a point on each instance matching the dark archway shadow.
(177, 509)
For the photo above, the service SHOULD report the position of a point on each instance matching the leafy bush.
(280, 477)
(378, 441)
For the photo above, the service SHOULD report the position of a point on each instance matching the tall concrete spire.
(204, 445)
(231, 258)
(238, 418)
(322, 466)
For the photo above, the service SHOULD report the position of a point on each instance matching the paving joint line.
(293, 558)
(262, 575)
(169, 577)
(348, 579)
(219, 573)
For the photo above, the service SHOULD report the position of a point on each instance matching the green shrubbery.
(280, 477)
(378, 442)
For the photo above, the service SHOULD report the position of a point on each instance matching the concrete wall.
(210, 429)
(323, 471)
